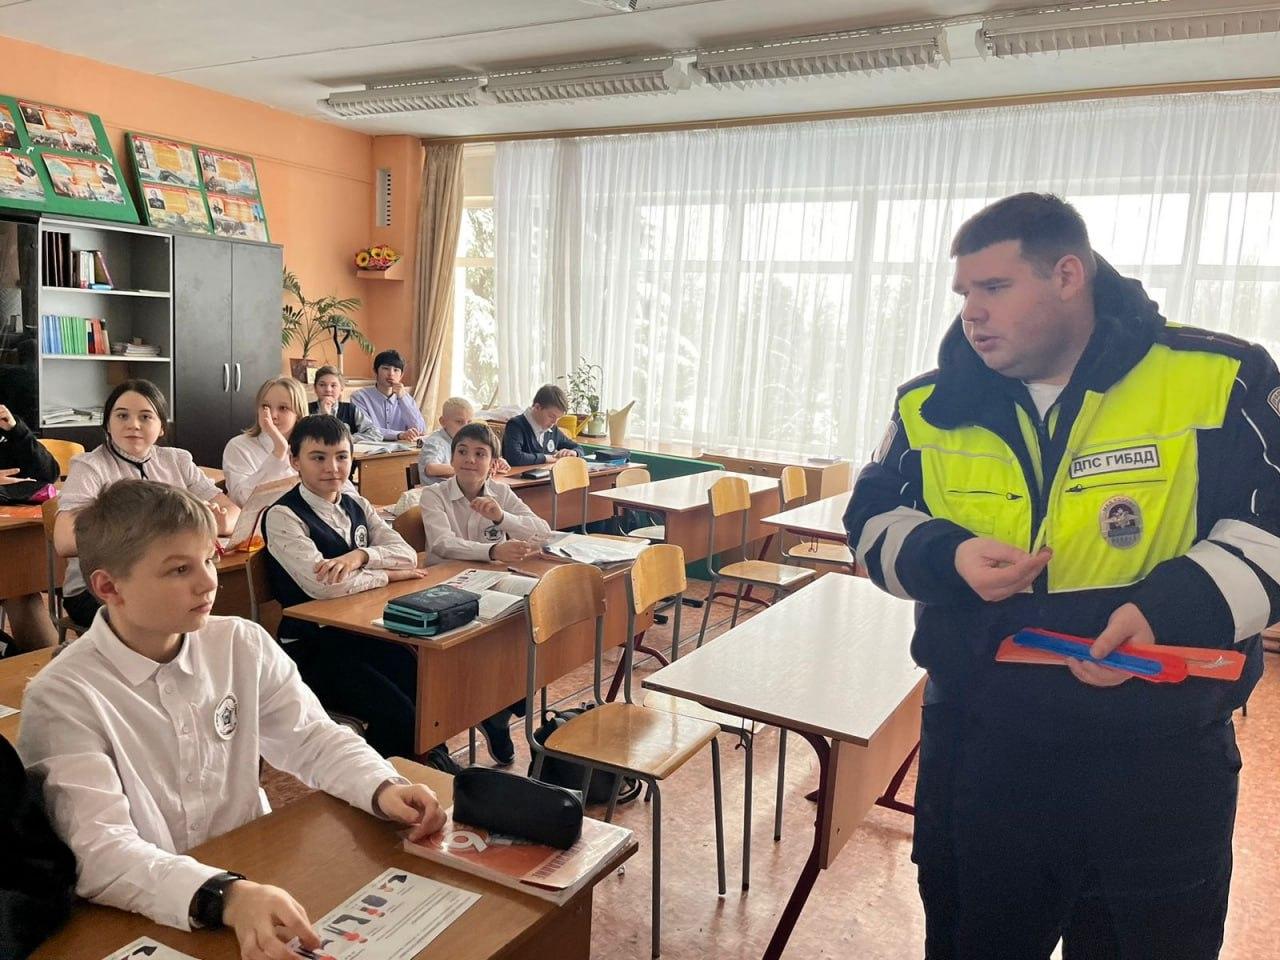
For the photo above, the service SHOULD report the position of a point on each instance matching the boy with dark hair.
(146, 733)
(324, 543)
(533, 437)
(388, 403)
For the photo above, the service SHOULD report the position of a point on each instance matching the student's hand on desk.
(415, 574)
(412, 803)
(488, 508)
(7, 422)
(1126, 625)
(513, 551)
(264, 919)
(337, 569)
(995, 570)
(561, 454)
(10, 475)
(413, 433)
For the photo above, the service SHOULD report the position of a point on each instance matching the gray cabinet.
(226, 337)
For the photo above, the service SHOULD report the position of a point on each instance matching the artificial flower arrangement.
(377, 257)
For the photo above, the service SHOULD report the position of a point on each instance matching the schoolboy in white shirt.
(146, 733)
(435, 462)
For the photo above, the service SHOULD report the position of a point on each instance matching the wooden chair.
(795, 488)
(654, 533)
(55, 567)
(569, 474)
(730, 495)
(409, 525)
(62, 451)
(624, 739)
(656, 577)
(570, 423)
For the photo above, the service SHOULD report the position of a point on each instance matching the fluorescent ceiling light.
(407, 97)
(791, 59)
(621, 79)
(1140, 21)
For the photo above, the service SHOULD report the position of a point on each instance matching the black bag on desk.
(517, 806)
(431, 611)
(37, 871)
(567, 773)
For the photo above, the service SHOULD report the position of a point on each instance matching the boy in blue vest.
(323, 543)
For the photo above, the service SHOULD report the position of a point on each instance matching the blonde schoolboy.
(435, 462)
(146, 733)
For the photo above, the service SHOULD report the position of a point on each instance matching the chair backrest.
(570, 424)
(259, 582)
(658, 573)
(409, 526)
(631, 476)
(55, 566)
(837, 478)
(794, 485)
(569, 473)
(568, 594)
(62, 451)
(49, 516)
(729, 495)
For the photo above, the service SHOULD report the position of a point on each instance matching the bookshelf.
(138, 305)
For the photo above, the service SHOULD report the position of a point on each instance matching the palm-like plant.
(307, 322)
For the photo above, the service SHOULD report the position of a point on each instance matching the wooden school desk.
(381, 478)
(471, 673)
(830, 662)
(321, 850)
(537, 494)
(15, 673)
(683, 501)
(22, 569)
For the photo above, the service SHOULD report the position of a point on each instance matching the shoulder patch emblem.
(890, 434)
(226, 716)
(1273, 400)
(361, 536)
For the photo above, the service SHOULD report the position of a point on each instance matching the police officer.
(1075, 463)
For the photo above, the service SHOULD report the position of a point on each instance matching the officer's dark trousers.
(1122, 851)
(369, 679)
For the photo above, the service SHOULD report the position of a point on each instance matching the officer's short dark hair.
(476, 433)
(1047, 227)
(320, 427)
(549, 395)
(388, 358)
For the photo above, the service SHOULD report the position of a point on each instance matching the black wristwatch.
(207, 904)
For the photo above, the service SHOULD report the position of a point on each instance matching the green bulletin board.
(59, 160)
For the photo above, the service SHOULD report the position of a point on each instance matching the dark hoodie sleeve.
(20, 448)
(904, 550)
(1226, 588)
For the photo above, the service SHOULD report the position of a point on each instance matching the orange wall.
(316, 178)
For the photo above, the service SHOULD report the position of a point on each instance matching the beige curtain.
(438, 220)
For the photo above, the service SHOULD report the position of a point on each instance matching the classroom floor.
(866, 906)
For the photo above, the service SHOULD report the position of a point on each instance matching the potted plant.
(308, 322)
(583, 382)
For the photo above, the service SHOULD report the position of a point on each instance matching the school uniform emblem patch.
(361, 536)
(1273, 400)
(225, 716)
(1121, 522)
(492, 534)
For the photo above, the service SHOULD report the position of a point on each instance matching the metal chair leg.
(737, 602)
(586, 785)
(719, 805)
(782, 782)
(613, 799)
(471, 746)
(706, 613)
(746, 813)
(538, 757)
(656, 901)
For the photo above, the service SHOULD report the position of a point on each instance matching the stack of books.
(70, 416)
(135, 348)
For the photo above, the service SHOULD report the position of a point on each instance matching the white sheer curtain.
(769, 287)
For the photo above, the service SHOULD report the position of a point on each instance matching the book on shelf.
(91, 271)
(532, 868)
(55, 259)
(135, 348)
(500, 593)
(68, 416)
(73, 336)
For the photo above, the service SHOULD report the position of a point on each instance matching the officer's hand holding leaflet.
(996, 571)
(1126, 625)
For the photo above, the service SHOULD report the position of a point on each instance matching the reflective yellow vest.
(1123, 498)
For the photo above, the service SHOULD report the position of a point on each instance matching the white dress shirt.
(437, 448)
(456, 532)
(290, 543)
(248, 462)
(141, 761)
(91, 473)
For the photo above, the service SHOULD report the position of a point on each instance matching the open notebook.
(500, 593)
(587, 549)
